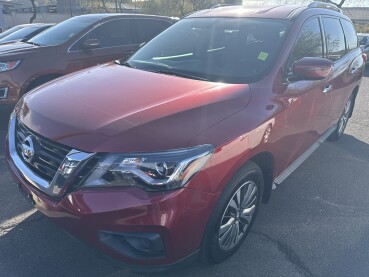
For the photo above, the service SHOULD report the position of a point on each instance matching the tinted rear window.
(350, 33)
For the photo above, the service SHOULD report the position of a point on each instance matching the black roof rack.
(324, 5)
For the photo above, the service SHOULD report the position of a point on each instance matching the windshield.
(362, 40)
(230, 50)
(11, 30)
(20, 34)
(63, 32)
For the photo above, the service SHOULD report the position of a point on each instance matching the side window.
(350, 33)
(309, 43)
(335, 38)
(149, 28)
(112, 33)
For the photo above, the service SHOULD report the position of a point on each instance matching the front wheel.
(342, 122)
(233, 215)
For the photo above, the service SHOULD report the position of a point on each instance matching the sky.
(348, 3)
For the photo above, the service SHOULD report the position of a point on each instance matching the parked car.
(9, 31)
(26, 32)
(364, 42)
(170, 154)
(74, 44)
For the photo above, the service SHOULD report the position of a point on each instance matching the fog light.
(134, 245)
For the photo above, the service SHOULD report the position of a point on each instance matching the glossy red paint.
(166, 110)
(111, 108)
(179, 216)
(313, 68)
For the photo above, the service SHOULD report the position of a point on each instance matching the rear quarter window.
(351, 36)
(335, 39)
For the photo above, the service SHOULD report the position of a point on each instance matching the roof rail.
(324, 5)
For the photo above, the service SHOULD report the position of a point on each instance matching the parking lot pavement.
(316, 224)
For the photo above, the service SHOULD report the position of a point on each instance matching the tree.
(34, 11)
(340, 4)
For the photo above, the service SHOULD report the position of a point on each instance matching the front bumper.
(179, 216)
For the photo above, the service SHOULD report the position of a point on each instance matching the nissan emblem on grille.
(28, 149)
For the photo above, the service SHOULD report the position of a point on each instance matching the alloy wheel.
(238, 215)
(345, 116)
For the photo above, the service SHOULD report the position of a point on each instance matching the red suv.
(170, 154)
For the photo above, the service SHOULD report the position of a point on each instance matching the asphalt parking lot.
(316, 224)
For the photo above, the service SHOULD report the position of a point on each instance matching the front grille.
(48, 154)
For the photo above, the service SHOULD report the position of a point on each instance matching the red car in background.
(74, 44)
(170, 154)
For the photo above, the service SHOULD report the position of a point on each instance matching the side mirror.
(91, 43)
(312, 68)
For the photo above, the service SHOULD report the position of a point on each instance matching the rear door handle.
(353, 70)
(327, 89)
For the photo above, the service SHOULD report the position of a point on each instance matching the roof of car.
(112, 15)
(269, 11)
(36, 24)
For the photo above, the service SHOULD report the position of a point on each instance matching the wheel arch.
(265, 161)
(354, 93)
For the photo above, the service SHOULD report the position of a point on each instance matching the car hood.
(113, 108)
(20, 50)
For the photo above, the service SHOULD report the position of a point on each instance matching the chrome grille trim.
(59, 181)
(49, 155)
(31, 177)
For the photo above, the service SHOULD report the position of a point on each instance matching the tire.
(220, 240)
(342, 122)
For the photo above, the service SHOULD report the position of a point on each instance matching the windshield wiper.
(179, 74)
(32, 43)
(126, 63)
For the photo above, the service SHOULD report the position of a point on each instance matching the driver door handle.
(327, 89)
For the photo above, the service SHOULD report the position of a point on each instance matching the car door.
(114, 40)
(146, 29)
(307, 107)
(337, 82)
(351, 71)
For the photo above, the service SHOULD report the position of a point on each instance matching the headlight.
(6, 66)
(151, 171)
